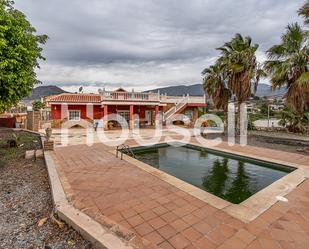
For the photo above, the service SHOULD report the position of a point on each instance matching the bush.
(37, 105)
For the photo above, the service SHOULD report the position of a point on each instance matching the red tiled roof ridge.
(92, 94)
(76, 98)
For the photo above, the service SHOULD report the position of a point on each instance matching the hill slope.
(265, 90)
(193, 90)
(197, 90)
(43, 91)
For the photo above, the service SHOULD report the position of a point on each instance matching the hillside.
(265, 90)
(193, 90)
(197, 90)
(43, 91)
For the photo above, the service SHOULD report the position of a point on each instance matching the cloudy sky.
(144, 44)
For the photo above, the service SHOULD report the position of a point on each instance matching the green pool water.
(228, 176)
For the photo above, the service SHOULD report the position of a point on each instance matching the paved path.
(100, 184)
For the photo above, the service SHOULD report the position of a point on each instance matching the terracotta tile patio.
(101, 185)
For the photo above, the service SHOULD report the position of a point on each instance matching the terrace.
(121, 95)
(147, 208)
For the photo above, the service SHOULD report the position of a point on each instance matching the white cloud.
(141, 76)
(147, 43)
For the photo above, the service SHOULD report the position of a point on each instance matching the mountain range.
(197, 90)
(179, 90)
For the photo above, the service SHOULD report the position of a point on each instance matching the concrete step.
(30, 154)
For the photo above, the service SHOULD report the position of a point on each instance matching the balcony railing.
(129, 96)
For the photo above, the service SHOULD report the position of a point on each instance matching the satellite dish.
(80, 89)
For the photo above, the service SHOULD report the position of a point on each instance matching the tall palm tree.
(238, 60)
(215, 87)
(287, 66)
(304, 12)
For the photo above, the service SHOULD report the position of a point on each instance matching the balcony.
(129, 96)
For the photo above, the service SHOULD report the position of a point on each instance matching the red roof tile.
(75, 98)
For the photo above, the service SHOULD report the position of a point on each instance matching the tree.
(20, 50)
(215, 87)
(304, 12)
(265, 107)
(37, 105)
(239, 63)
(287, 66)
(293, 121)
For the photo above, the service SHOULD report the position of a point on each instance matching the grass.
(26, 141)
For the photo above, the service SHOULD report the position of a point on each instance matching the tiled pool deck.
(111, 190)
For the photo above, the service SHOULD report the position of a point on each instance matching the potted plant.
(48, 132)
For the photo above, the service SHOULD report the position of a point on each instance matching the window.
(189, 114)
(74, 115)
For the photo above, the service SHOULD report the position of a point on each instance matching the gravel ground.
(25, 199)
(288, 135)
(273, 141)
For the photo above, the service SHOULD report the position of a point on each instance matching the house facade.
(135, 108)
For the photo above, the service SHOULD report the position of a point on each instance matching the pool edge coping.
(247, 210)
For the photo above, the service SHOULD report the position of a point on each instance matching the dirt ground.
(25, 199)
(283, 142)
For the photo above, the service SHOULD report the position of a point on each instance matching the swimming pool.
(229, 176)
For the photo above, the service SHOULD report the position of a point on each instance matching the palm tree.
(215, 87)
(304, 12)
(295, 123)
(239, 62)
(287, 66)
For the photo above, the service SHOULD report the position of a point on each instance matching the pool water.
(228, 176)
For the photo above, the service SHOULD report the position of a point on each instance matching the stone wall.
(33, 120)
